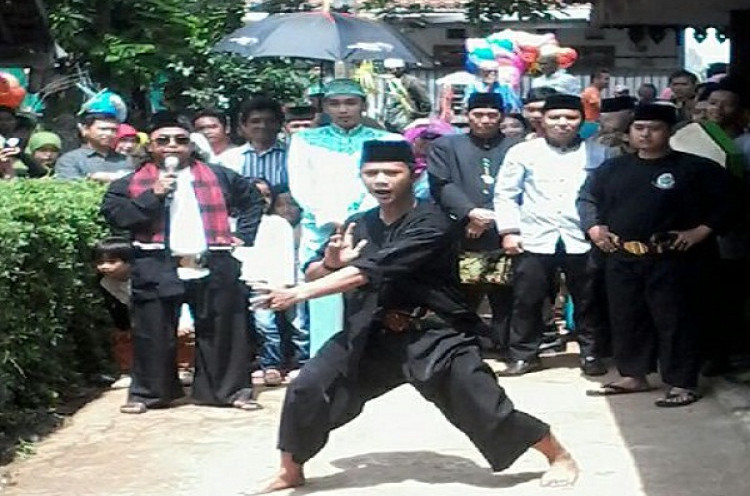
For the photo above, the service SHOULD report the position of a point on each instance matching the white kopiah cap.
(394, 63)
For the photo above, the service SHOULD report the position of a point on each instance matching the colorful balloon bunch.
(515, 53)
(11, 91)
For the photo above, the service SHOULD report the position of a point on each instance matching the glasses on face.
(179, 139)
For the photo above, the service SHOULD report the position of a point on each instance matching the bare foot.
(291, 475)
(283, 480)
(562, 472)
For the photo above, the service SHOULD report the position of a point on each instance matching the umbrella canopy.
(320, 36)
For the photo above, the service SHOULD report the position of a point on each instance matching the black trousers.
(534, 275)
(500, 299)
(655, 317)
(442, 364)
(222, 341)
(600, 305)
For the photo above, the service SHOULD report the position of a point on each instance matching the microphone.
(170, 164)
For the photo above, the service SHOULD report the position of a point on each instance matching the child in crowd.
(271, 261)
(298, 342)
(112, 257)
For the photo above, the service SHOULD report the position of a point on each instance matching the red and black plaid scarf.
(210, 201)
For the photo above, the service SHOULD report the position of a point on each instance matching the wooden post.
(739, 34)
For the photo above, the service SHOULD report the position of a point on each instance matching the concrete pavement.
(399, 446)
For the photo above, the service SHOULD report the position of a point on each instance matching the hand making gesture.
(341, 248)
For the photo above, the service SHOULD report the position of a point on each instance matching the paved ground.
(399, 446)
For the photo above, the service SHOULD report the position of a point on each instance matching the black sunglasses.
(164, 140)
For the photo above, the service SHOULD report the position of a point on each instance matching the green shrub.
(53, 330)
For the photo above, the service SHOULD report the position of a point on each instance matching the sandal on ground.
(272, 377)
(134, 407)
(676, 399)
(247, 405)
(612, 389)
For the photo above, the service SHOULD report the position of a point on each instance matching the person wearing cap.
(655, 213)
(324, 179)
(536, 216)
(614, 122)
(42, 153)
(315, 93)
(297, 118)
(487, 82)
(405, 323)
(95, 159)
(127, 142)
(176, 210)
(406, 98)
(532, 109)
(462, 171)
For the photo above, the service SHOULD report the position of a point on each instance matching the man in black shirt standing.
(462, 169)
(405, 322)
(655, 213)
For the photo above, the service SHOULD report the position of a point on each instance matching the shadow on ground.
(694, 447)
(374, 469)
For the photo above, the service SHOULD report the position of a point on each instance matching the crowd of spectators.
(512, 180)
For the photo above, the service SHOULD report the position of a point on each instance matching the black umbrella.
(320, 36)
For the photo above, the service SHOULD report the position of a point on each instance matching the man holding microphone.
(177, 212)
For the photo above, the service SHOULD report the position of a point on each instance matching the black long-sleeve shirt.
(242, 199)
(637, 198)
(455, 170)
(409, 263)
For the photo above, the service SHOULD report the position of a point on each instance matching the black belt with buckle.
(198, 261)
(658, 244)
(401, 320)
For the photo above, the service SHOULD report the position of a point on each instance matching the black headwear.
(562, 101)
(539, 94)
(299, 112)
(617, 104)
(167, 118)
(485, 100)
(387, 151)
(665, 112)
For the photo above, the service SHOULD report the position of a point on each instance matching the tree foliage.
(127, 45)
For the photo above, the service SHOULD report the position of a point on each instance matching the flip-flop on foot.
(677, 399)
(612, 389)
(135, 407)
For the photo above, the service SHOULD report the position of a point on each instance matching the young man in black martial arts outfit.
(176, 209)
(656, 213)
(406, 322)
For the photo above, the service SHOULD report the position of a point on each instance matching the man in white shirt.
(553, 76)
(535, 204)
(324, 179)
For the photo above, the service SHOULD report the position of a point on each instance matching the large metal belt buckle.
(191, 261)
(397, 322)
(635, 248)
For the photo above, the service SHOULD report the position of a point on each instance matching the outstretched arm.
(335, 282)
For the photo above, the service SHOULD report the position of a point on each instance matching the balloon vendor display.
(516, 53)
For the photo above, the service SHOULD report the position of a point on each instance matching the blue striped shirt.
(269, 164)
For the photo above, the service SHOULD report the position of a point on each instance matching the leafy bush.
(53, 332)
